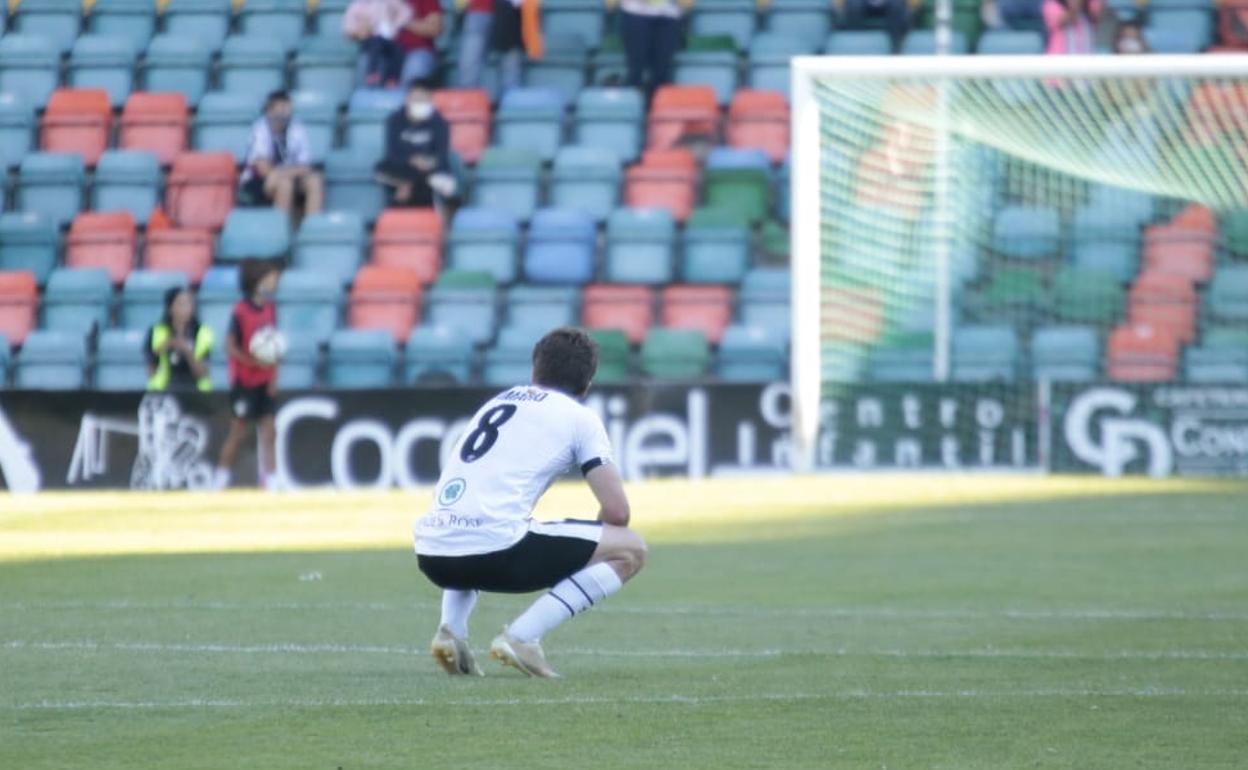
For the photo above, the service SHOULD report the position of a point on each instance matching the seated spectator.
(651, 32)
(515, 31)
(417, 38)
(178, 346)
(1130, 39)
(376, 24)
(416, 164)
(1071, 25)
(279, 159)
(897, 15)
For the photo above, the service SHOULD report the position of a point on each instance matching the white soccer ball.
(268, 345)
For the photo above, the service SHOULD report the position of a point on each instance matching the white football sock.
(456, 607)
(221, 478)
(566, 600)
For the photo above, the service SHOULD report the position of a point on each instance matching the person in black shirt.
(417, 156)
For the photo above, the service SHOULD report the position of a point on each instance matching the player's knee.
(635, 554)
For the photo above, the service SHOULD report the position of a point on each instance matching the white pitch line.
(295, 648)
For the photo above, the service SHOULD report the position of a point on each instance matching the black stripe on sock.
(583, 591)
(571, 611)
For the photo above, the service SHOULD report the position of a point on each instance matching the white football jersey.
(517, 444)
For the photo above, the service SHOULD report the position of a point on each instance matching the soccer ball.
(268, 345)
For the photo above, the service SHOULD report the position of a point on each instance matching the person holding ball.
(253, 377)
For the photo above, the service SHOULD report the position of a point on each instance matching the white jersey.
(517, 444)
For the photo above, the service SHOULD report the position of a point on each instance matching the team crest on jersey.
(452, 491)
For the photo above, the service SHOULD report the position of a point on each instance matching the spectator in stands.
(416, 164)
(1014, 14)
(178, 346)
(253, 384)
(1071, 25)
(375, 24)
(1130, 39)
(897, 15)
(418, 38)
(279, 160)
(474, 40)
(516, 31)
(651, 33)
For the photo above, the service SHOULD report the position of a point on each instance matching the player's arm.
(604, 481)
(234, 345)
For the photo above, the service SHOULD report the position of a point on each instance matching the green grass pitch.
(877, 622)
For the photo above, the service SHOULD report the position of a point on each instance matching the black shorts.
(251, 403)
(538, 561)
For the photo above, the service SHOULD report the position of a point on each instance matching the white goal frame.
(806, 375)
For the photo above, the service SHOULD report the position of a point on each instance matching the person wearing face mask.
(417, 161)
(279, 159)
(1130, 39)
(178, 345)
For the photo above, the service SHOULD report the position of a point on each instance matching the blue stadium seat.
(332, 243)
(1065, 353)
(350, 184)
(1027, 232)
(366, 119)
(985, 354)
(1011, 41)
(1222, 356)
(484, 240)
(810, 20)
(51, 360)
(717, 69)
(922, 42)
(120, 363)
(769, 58)
(542, 307)
(102, 61)
(127, 180)
(716, 247)
(508, 179)
(610, 118)
(608, 64)
(325, 63)
(867, 42)
(641, 245)
(301, 364)
(586, 179)
(58, 21)
(738, 158)
(223, 122)
(328, 16)
(252, 65)
(17, 130)
(1118, 258)
(1179, 31)
(465, 302)
(1228, 294)
(178, 64)
(318, 112)
(308, 304)
(218, 293)
(1140, 205)
(143, 296)
(531, 119)
(29, 68)
(28, 241)
(4, 340)
(724, 18)
(560, 248)
(1099, 223)
(435, 352)
(205, 20)
(562, 67)
(281, 21)
(581, 19)
(750, 354)
(903, 365)
(51, 184)
(764, 299)
(134, 20)
(361, 358)
(77, 300)
(510, 360)
(259, 232)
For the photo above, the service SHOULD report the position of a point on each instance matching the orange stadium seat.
(1179, 250)
(666, 179)
(680, 111)
(19, 299)
(385, 297)
(156, 122)
(468, 112)
(77, 120)
(705, 308)
(183, 250)
(410, 238)
(1165, 302)
(759, 119)
(1141, 353)
(624, 307)
(102, 239)
(200, 189)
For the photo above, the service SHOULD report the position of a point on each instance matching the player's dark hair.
(171, 296)
(251, 272)
(565, 359)
(275, 97)
(421, 84)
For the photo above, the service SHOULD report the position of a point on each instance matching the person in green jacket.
(178, 346)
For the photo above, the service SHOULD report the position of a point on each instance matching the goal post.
(908, 173)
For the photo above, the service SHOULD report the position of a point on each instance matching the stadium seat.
(743, 191)
(120, 363)
(469, 115)
(385, 297)
(608, 62)
(485, 240)
(1179, 250)
(542, 307)
(1234, 225)
(586, 179)
(178, 64)
(367, 111)
(1065, 353)
(105, 240)
(922, 42)
(562, 66)
(301, 364)
(17, 123)
(325, 64)
(985, 354)
(223, 123)
(328, 16)
(131, 20)
(218, 293)
(679, 111)
(19, 304)
(764, 299)
(510, 360)
(29, 67)
(1221, 358)
(57, 21)
(360, 358)
(183, 250)
(675, 354)
(759, 119)
(318, 112)
(705, 308)
(627, 308)
(614, 356)
(260, 233)
(507, 179)
(437, 352)
(716, 247)
(609, 118)
(156, 123)
(199, 191)
(77, 121)
(409, 238)
(1228, 294)
(350, 185)
(1083, 296)
(279, 21)
(1166, 302)
(873, 42)
(1023, 232)
(560, 247)
(733, 19)
(77, 301)
(308, 304)
(770, 53)
(464, 301)
(750, 354)
(1141, 353)
(1179, 31)
(999, 42)
(51, 360)
(810, 20)
(143, 296)
(4, 341)
(331, 242)
(1119, 259)
(103, 61)
(28, 241)
(640, 246)
(664, 179)
(207, 20)
(251, 64)
(714, 69)
(582, 19)
(51, 184)
(903, 357)
(530, 119)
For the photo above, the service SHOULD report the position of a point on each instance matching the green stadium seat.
(1228, 294)
(743, 191)
(614, 356)
(675, 354)
(1088, 297)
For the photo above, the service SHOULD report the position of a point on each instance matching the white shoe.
(526, 656)
(453, 654)
(221, 478)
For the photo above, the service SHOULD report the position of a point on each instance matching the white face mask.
(420, 110)
(1130, 45)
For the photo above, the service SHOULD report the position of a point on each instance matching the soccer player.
(480, 535)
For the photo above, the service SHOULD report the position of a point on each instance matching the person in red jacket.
(253, 384)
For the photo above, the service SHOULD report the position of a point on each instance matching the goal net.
(994, 224)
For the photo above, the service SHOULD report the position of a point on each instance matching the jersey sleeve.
(593, 448)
